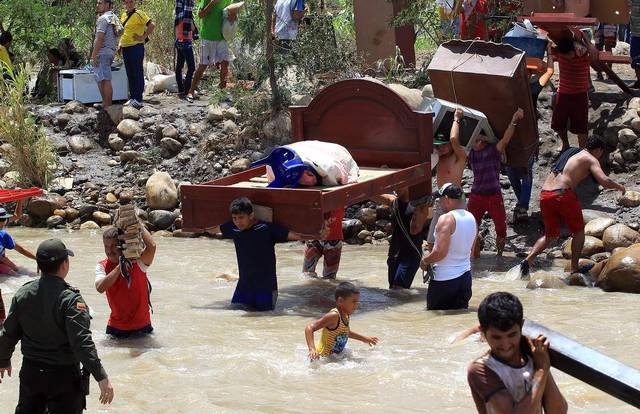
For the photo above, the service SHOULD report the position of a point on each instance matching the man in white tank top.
(450, 287)
(514, 376)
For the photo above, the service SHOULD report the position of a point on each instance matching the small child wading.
(335, 325)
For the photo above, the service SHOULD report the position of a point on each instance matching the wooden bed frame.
(390, 142)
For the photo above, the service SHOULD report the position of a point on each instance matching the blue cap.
(286, 165)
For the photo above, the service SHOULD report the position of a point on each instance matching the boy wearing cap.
(485, 160)
(52, 320)
(451, 162)
(450, 287)
(7, 267)
(255, 240)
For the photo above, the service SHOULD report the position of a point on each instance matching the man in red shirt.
(127, 286)
(571, 111)
(330, 248)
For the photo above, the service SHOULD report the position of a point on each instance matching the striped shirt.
(333, 341)
(485, 165)
(634, 21)
(574, 74)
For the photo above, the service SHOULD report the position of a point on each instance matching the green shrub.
(31, 153)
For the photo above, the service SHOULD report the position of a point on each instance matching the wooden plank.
(594, 368)
(608, 57)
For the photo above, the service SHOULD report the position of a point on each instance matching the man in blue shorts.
(255, 240)
(104, 50)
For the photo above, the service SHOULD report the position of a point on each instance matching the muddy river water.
(205, 358)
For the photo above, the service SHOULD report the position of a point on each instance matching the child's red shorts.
(558, 206)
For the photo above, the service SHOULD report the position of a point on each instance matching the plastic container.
(522, 30)
(531, 46)
(286, 166)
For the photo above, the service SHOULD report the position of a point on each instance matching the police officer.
(52, 321)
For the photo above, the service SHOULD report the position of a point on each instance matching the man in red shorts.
(559, 202)
(485, 160)
(571, 111)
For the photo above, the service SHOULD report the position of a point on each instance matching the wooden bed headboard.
(369, 119)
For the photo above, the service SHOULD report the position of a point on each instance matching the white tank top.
(458, 258)
(516, 380)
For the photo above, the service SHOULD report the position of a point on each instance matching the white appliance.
(81, 85)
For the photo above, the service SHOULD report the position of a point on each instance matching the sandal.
(189, 98)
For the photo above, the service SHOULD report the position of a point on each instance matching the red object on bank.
(7, 196)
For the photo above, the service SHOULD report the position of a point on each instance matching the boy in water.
(335, 325)
(255, 241)
(515, 375)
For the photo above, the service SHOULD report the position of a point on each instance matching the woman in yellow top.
(137, 29)
(5, 57)
(335, 325)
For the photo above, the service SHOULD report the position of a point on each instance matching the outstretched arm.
(371, 340)
(25, 252)
(17, 214)
(602, 178)
(455, 135)
(511, 129)
(548, 74)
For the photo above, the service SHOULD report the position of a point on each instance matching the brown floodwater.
(206, 358)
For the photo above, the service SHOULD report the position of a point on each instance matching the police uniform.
(52, 321)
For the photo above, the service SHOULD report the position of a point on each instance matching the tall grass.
(31, 153)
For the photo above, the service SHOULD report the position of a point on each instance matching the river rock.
(278, 128)
(115, 142)
(364, 234)
(161, 192)
(635, 125)
(43, 207)
(619, 235)
(301, 99)
(110, 198)
(79, 144)
(74, 107)
(214, 113)
(544, 280)
(630, 199)
(60, 213)
(591, 246)
(171, 146)
(86, 211)
(129, 156)
(125, 197)
(127, 128)
(195, 130)
(378, 234)
(627, 137)
(129, 112)
(229, 127)
(101, 218)
(71, 213)
(161, 219)
(583, 263)
(170, 132)
(351, 227)
(89, 225)
(579, 279)
(630, 155)
(62, 120)
(54, 221)
(230, 113)
(596, 227)
(367, 216)
(589, 215)
(622, 272)
(240, 164)
(634, 103)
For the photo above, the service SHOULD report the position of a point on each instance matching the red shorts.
(574, 108)
(492, 204)
(558, 207)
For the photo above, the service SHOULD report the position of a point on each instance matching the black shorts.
(122, 334)
(57, 388)
(449, 294)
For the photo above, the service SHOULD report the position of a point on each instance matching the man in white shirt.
(287, 16)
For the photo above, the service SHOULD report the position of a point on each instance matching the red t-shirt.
(574, 74)
(475, 22)
(129, 305)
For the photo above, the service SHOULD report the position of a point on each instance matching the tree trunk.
(271, 64)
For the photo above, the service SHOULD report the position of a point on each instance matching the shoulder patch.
(81, 305)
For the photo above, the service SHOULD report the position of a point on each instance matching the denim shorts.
(103, 71)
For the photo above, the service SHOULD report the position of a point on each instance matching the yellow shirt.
(136, 25)
(4, 57)
(333, 341)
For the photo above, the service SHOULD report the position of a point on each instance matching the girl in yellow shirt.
(5, 57)
(335, 324)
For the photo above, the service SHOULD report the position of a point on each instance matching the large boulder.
(43, 207)
(589, 215)
(89, 225)
(74, 107)
(278, 128)
(351, 228)
(214, 113)
(591, 246)
(171, 147)
(129, 112)
(630, 199)
(544, 280)
(413, 97)
(115, 142)
(240, 164)
(622, 272)
(627, 137)
(161, 219)
(161, 192)
(619, 235)
(596, 227)
(127, 128)
(367, 215)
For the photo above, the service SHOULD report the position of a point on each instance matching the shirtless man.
(559, 202)
(451, 162)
